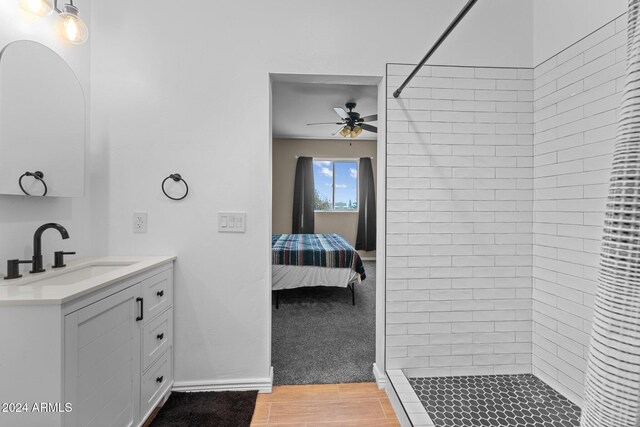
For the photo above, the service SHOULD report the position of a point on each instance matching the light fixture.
(357, 130)
(345, 131)
(69, 26)
(37, 7)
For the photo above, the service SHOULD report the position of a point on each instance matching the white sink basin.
(79, 278)
(82, 273)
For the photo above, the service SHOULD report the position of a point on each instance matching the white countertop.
(50, 287)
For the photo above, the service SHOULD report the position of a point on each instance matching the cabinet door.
(102, 362)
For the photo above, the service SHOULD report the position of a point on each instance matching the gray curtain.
(303, 197)
(366, 239)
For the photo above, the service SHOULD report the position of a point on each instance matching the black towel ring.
(177, 178)
(37, 175)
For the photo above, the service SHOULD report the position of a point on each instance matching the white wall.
(560, 23)
(459, 199)
(21, 215)
(577, 94)
(188, 91)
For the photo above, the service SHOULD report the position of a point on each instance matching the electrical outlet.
(139, 222)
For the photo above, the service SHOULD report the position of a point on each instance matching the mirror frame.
(82, 192)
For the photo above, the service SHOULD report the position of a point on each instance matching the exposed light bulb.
(37, 7)
(71, 27)
(71, 30)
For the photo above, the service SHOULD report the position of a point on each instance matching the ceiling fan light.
(345, 131)
(356, 132)
(37, 7)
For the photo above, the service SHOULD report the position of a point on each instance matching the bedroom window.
(336, 185)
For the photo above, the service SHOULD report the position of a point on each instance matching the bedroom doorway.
(325, 170)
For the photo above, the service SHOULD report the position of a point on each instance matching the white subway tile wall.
(497, 182)
(459, 221)
(576, 97)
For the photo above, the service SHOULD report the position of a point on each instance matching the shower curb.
(415, 410)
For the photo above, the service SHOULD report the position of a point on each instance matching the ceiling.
(297, 103)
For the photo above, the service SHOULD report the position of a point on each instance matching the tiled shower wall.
(459, 221)
(490, 172)
(576, 94)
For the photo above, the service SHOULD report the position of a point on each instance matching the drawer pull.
(160, 336)
(160, 293)
(159, 379)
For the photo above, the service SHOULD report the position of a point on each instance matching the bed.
(305, 260)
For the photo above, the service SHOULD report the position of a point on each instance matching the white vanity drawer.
(157, 336)
(158, 294)
(156, 382)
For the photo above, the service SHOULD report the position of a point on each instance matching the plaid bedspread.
(320, 250)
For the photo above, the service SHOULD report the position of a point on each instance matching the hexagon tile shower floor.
(494, 400)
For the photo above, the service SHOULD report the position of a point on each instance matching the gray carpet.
(320, 338)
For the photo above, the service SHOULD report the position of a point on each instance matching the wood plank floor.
(324, 405)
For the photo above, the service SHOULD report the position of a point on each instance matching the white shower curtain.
(612, 383)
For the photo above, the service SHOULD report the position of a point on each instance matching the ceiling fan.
(351, 122)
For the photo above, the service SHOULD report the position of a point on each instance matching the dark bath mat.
(215, 409)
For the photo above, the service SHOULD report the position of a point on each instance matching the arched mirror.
(42, 122)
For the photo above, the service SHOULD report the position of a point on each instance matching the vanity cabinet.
(102, 361)
(104, 358)
(118, 361)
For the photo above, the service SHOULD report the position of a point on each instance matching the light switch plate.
(232, 222)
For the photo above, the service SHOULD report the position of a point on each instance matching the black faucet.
(37, 244)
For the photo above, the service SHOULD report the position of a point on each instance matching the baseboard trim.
(368, 258)
(381, 378)
(263, 385)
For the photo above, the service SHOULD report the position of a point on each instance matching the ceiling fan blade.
(371, 118)
(341, 113)
(370, 128)
(337, 132)
(326, 123)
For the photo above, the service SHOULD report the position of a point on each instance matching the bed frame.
(351, 286)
